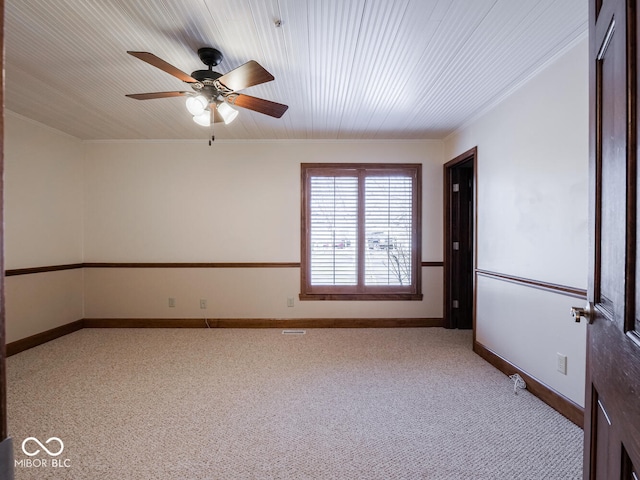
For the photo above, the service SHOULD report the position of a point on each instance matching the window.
(361, 232)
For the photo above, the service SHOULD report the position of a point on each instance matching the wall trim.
(73, 266)
(432, 264)
(563, 405)
(528, 282)
(57, 332)
(50, 268)
(261, 322)
(292, 141)
(192, 265)
(43, 337)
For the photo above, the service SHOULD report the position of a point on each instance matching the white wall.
(43, 198)
(254, 293)
(42, 195)
(39, 302)
(532, 204)
(232, 202)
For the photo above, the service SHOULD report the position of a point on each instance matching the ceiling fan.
(213, 92)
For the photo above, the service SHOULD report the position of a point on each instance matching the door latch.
(579, 313)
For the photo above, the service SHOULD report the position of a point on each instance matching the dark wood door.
(459, 204)
(612, 410)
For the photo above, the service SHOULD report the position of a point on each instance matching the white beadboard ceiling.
(348, 69)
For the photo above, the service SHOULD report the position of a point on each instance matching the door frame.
(6, 444)
(470, 155)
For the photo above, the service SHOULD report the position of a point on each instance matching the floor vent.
(294, 332)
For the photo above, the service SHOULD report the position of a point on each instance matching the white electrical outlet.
(562, 364)
(203, 304)
(289, 301)
(172, 302)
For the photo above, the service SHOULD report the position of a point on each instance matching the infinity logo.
(34, 439)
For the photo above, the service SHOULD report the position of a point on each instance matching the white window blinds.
(388, 229)
(333, 235)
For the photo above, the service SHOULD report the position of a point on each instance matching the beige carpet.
(256, 404)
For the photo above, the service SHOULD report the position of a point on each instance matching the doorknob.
(578, 313)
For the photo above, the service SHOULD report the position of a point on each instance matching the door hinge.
(456, 187)
(455, 304)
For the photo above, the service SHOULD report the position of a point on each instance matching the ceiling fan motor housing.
(206, 78)
(210, 56)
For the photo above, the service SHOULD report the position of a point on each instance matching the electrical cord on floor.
(518, 382)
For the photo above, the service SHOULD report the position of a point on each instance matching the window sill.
(362, 296)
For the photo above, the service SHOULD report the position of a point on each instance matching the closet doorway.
(459, 239)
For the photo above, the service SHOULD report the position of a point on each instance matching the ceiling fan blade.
(245, 76)
(257, 104)
(149, 96)
(157, 62)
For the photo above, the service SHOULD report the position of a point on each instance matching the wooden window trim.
(411, 292)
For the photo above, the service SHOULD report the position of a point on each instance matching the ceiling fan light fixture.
(211, 89)
(227, 113)
(203, 119)
(197, 104)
